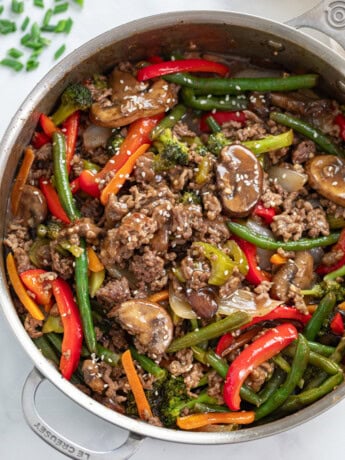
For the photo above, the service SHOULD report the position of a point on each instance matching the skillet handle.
(327, 17)
(59, 442)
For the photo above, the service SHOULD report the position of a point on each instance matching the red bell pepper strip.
(181, 65)
(224, 342)
(75, 185)
(254, 275)
(53, 202)
(221, 118)
(70, 128)
(47, 125)
(340, 245)
(265, 347)
(41, 289)
(39, 140)
(138, 134)
(340, 121)
(155, 59)
(337, 324)
(266, 214)
(73, 332)
(281, 312)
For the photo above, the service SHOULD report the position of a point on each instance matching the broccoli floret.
(114, 142)
(321, 289)
(216, 142)
(169, 397)
(190, 198)
(75, 97)
(171, 151)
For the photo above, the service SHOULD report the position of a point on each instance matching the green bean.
(297, 402)
(56, 341)
(272, 385)
(169, 121)
(299, 365)
(336, 222)
(324, 350)
(81, 262)
(335, 274)
(211, 331)
(210, 103)
(47, 350)
(206, 408)
(108, 356)
(302, 127)
(282, 363)
(223, 86)
(148, 365)
(61, 176)
(319, 361)
(338, 354)
(320, 315)
(304, 244)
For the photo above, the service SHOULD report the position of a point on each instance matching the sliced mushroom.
(298, 272)
(292, 102)
(239, 180)
(203, 302)
(32, 206)
(149, 323)
(132, 100)
(326, 175)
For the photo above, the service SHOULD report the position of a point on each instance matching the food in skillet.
(176, 244)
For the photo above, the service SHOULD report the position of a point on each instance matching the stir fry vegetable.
(174, 244)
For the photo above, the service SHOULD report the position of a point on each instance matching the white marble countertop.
(317, 439)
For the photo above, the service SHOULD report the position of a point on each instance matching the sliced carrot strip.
(20, 290)
(21, 179)
(141, 401)
(159, 296)
(191, 422)
(122, 174)
(341, 306)
(95, 265)
(277, 259)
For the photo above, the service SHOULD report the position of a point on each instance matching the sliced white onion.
(290, 180)
(95, 136)
(180, 306)
(247, 301)
(258, 228)
(263, 255)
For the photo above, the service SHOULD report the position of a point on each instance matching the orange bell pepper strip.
(138, 134)
(20, 290)
(95, 265)
(141, 401)
(47, 125)
(41, 289)
(159, 296)
(21, 179)
(122, 175)
(277, 259)
(193, 421)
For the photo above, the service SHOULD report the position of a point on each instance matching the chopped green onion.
(80, 2)
(48, 28)
(32, 63)
(60, 26)
(7, 27)
(25, 23)
(1, 8)
(17, 7)
(59, 52)
(47, 17)
(61, 8)
(12, 63)
(39, 3)
(14, 53)
(68, 27)
(35, 31)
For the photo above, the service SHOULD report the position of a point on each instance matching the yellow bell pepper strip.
(222, 265)
(277, 259)
(73, 331)
(95, 265)
(265, 347)
(95, 282)
(194, 421)
(52, 324)
(141, 401)
(21, 179)
(122, 174)
(20, 290)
